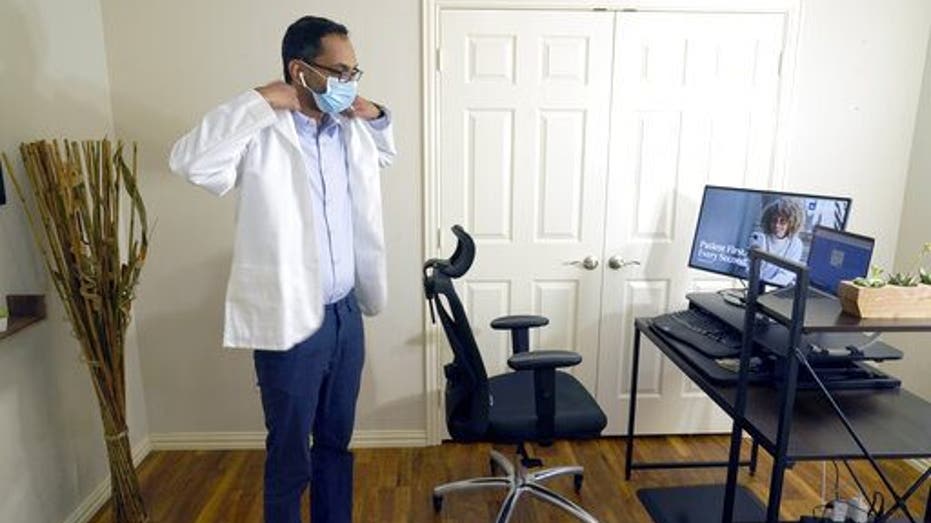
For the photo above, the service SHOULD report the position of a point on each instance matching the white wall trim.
(431, 236)
(99, 496)
(208, 440)
(430, 38)
(256, 440)
(377, 439)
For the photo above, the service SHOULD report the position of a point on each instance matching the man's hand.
(364, 109)
(280, 95)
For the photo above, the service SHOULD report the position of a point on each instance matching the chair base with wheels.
(519, 479)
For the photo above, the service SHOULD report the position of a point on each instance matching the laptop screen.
(836, 256)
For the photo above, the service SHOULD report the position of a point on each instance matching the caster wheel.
(577, 482)
(437, 503)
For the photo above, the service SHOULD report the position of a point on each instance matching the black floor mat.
(699, 504)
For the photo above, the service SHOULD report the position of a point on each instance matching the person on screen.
(781, 221)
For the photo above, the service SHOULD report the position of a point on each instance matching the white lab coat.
(273, 297)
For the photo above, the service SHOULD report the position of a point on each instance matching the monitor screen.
(732, 220)
(837, 256)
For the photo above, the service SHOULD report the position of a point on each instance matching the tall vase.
(124, 485)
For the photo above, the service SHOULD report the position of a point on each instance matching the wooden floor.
(394, 485)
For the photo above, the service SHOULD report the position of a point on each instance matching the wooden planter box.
(890, 301)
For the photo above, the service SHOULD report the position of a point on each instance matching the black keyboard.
(715, 344)
(703, 332)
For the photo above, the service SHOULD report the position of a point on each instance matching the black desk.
(893, 423)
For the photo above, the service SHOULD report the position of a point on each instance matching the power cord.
(876, 498)
(879, 471)
(867, 509)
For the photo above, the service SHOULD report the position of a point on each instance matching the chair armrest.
(543, 363)
(544, 359)
(522, 321)
(519, 326)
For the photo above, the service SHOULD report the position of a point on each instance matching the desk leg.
(733, 456)
(632, 408)
(780, 462)
(927, 518)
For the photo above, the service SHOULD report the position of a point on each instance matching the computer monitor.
(836, 256)
(732, 220)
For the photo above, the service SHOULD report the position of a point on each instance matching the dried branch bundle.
(74, 212)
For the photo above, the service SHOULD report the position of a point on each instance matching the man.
(308, 254)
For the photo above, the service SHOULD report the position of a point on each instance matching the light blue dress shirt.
(325, 156)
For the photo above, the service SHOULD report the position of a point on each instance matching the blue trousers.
(312, 389)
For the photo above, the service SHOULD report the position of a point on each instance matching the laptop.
(834, 256)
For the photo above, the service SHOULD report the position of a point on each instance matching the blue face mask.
(338, 95)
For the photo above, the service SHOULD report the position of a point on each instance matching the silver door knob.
(589, 263)
(617, 263)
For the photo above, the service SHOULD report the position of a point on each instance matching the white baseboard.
(89, 507)
(256, 440)
(379, 439)
(208, 440)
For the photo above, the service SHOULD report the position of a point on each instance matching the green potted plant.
(899, 295)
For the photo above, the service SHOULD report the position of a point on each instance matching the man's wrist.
(383, 120)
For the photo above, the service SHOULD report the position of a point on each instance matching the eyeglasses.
(353, 75)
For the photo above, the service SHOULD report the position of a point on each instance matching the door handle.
(588, 263)
(617, 263)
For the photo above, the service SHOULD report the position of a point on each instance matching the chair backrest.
(467, 396)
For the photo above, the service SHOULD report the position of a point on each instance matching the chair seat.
(512, 415)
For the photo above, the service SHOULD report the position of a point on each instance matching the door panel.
(696, 99)
(523, 138)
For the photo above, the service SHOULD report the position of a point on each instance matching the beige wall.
(53, 83)
(915, 230)
(857, 83)
(170, 62)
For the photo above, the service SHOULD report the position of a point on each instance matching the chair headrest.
(461, 260)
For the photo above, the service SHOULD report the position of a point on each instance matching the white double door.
(569, 139)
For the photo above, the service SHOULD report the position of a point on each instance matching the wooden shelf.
(25, 310)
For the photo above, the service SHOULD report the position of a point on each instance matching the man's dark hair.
(303, 38)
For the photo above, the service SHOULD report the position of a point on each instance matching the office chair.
(535, 403)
